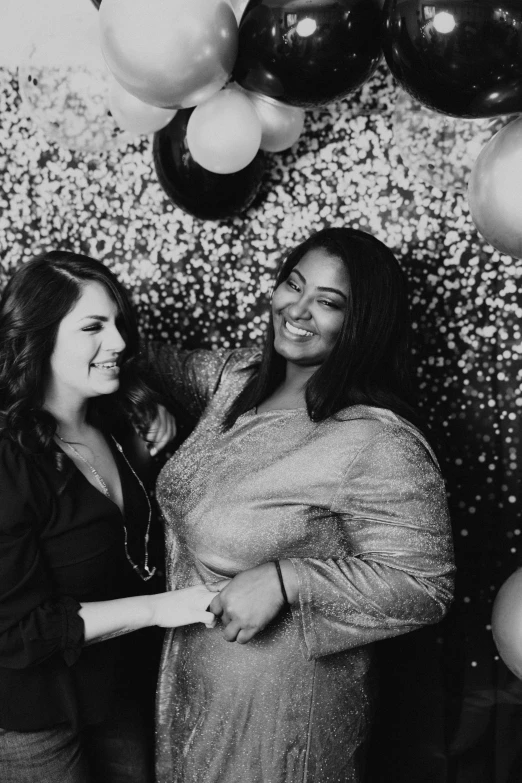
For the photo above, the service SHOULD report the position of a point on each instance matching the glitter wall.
(202, 283)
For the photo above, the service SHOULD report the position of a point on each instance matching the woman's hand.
(182, 607)
(248, 602)
(107, 619)
(161, 431)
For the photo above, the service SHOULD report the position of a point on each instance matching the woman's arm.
(187, 379)
(35, 623)
(398, 575)
(106, 619)
(398, 569)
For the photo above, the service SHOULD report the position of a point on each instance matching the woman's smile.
(297, 333)
(111, 369)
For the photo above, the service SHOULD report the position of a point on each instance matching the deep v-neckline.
(111, 444)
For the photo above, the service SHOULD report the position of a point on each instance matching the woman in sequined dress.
(74, 525)
(306, 483)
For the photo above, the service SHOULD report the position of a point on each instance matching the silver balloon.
(133, 115)
(495, 190)
(281, 124)
(506, 622)
(436, 148)
(169, 53)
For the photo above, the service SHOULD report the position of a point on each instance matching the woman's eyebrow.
(298, 273)
(321, 287)
(333, 291)
(94, 317)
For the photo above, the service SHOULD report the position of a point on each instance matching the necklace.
(147, 573)
(93, 470)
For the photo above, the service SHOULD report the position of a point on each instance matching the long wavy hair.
(370, 361)
(36, 299)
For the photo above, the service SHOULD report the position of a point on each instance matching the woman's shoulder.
(375, 419)
(383, 429)
(236, 369)
(28, 467)
(23, 489)
(239, 359)
(223, 367)
(226, 372)
(202, 365)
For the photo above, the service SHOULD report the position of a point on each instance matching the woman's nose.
(299, 309)
(114, 340)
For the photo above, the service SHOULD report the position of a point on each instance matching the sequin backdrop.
(204, 283)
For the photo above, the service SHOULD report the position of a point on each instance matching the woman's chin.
(107, 387)
(296, 354)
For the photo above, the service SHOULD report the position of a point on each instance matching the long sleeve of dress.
(188, 378)
(392, 508)
(34, 624)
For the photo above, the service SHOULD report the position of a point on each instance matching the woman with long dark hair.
(74, 528)
(307, 483)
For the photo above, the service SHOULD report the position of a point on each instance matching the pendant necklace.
(147, 572)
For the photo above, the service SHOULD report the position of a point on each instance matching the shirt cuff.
(73, 630)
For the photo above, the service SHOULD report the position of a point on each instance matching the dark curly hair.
(369, 363)
(38, 296)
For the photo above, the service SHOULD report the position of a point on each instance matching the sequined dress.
(358, 505)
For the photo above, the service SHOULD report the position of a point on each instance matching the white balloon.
(281, 124)
(224, 133)
(134, 115)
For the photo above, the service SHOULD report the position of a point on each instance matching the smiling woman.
(88, 346)
(85, 364)
(74, 529)
(309, 308)
(305, 481)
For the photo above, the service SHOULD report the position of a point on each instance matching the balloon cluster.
(218, 95)
(221, 82)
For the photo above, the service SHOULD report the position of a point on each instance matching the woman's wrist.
(150, 617)
(291, 583)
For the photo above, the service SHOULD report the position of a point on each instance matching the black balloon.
(459, 57)
(188, 185)
(97, 3)
(308, 52)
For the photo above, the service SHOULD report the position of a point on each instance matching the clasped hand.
(161, 431)
(248, 602)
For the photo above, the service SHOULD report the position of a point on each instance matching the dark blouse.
(61, 542)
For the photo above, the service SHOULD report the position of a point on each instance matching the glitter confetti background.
(206, 284)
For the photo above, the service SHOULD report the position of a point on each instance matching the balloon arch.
(222, 83)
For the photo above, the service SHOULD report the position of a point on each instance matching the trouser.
(114, 751)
